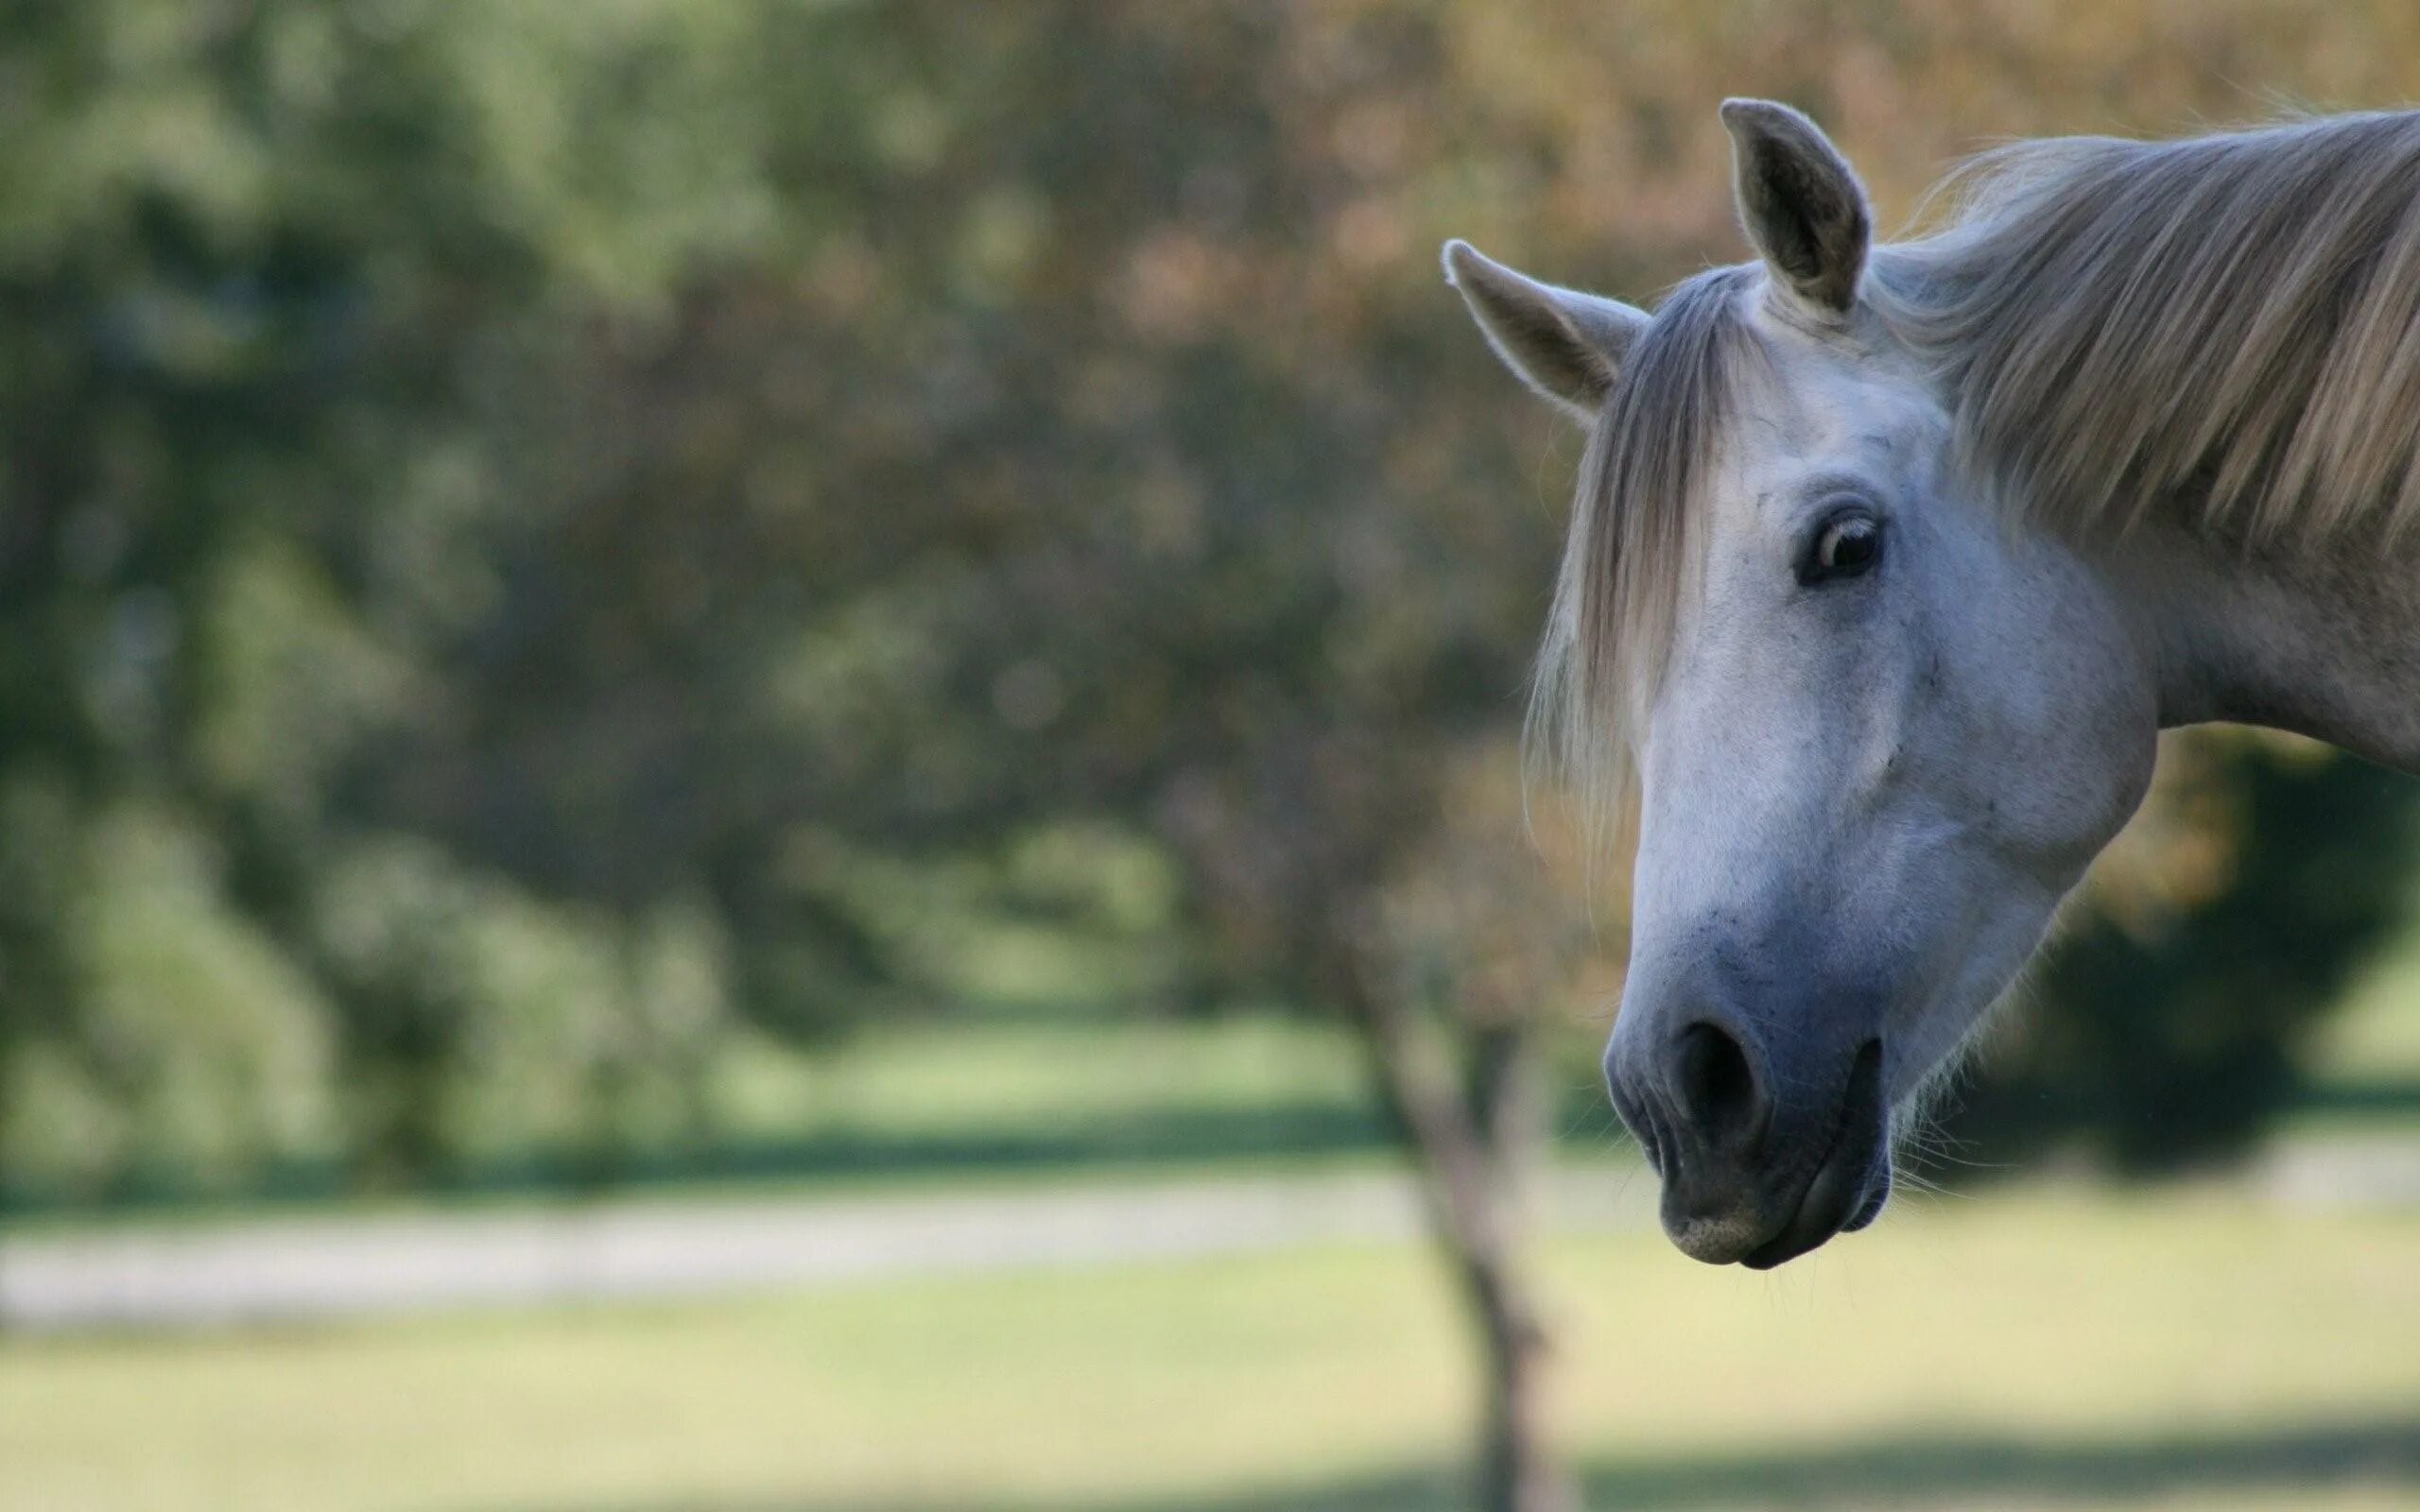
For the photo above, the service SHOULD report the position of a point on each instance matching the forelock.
(1632, 557)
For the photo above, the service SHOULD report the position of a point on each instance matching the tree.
(256, 265)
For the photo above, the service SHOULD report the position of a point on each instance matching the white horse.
(1889, 561)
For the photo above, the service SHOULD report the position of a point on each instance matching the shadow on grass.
(2390, 1100)
(1163, 1137)
(1916, 1473)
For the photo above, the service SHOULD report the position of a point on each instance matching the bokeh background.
(763, 757)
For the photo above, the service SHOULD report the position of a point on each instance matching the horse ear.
(1799, 202)
(1566, 345)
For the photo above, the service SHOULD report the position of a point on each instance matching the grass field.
(2376, 1031)
(2032, 1348)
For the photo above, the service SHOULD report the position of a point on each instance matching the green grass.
(2027, 1350)
(979, 1101)
(2375, 1035)
(980, 1077)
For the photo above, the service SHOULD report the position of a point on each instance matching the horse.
(1889, 560)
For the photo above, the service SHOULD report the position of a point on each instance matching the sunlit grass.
(2179, 1352)
(982, 1075)
(2375, 1035)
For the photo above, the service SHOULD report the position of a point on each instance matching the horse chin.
(1850, 1184)
(1878, 1197)
(1848, 1193)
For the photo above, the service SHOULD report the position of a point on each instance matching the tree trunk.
(1472, 1129)
(1519, 1471)
(1518, 1468)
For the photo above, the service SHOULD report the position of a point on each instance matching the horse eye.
(1843, 546)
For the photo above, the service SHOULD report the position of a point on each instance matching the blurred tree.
(257, 266)
(1473, 955)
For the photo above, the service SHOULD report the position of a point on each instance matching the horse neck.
(2322, 643)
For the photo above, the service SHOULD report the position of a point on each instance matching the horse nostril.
(1718, 1091)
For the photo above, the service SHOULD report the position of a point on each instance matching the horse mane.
(2222, 331)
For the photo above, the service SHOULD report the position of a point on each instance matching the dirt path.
(300, 1269)
(310, 1268)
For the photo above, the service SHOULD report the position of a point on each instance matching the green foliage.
(257, 268)
(194, 1046)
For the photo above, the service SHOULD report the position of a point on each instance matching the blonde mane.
(2223, 331)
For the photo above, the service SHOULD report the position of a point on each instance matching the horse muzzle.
(1753, 1178)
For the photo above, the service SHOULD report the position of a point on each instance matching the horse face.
(1885, 730)
(1891, 734)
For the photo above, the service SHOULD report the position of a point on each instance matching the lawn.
(2029, 1349)
(2375, 1034)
